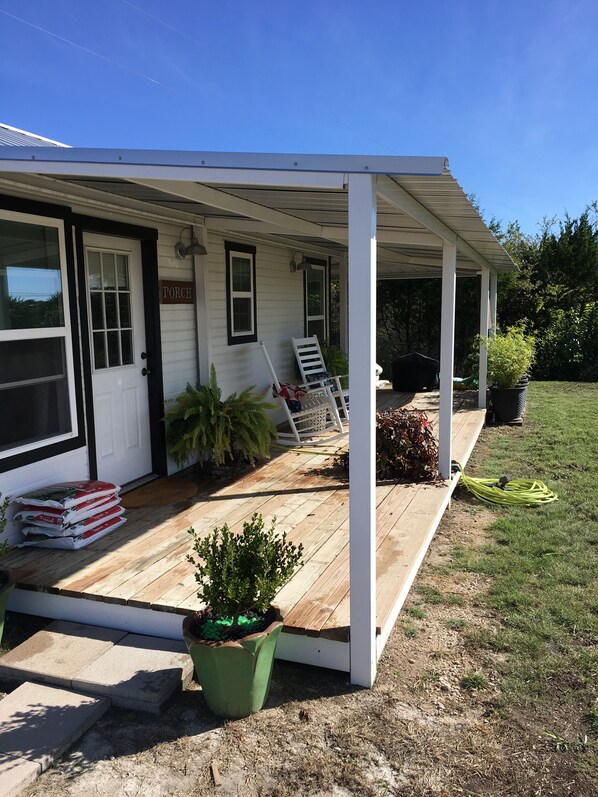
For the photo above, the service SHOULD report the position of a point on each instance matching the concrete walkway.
(70, 674)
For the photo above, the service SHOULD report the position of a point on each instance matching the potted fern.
(233, 640)
(510, 356)
(6, 582)
(226, 432)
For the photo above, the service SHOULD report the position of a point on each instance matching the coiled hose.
(506, 491)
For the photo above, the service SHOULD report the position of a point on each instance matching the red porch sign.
(176, 292)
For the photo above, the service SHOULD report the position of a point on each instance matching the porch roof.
(298, 200)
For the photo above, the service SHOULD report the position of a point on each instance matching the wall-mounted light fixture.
(194, 248)
(299, 263)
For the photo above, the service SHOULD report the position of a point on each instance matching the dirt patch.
(434, 725)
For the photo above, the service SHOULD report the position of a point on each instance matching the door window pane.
(111, 312)
(122, 271)
(126, 338)
(108, 270)
(113, 348)
(124, 304)
(94, 267)
(97, 311)
(110, 309)
(99, 350)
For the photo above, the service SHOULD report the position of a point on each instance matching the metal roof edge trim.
(252, 161)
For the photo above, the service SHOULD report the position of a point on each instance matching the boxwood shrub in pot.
(510, 357)
(233, 640)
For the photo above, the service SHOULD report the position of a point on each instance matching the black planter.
(508, 403)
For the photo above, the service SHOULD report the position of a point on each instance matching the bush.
(406, 449)
(568, 346)
(236, 429)
(238, 574)
(510, 356)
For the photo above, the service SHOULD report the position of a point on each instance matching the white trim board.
(300, 648)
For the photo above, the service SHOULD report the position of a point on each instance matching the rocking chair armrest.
(324, 390)
(317, 384)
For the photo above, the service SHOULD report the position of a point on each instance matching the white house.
(109, 316)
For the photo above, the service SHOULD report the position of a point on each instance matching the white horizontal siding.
(68, 467)
(177, 321)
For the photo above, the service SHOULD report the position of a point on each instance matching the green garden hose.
(506, 491)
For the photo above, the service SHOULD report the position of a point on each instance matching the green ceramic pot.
(6, 587)
(235, 675)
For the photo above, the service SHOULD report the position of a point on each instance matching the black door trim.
(148, 238)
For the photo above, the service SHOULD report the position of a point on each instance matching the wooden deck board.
(144, 563)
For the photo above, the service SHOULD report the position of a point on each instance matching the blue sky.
(507, 90)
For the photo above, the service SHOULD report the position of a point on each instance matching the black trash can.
(414, 372)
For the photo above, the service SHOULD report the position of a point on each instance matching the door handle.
(144, 355)
(145, 371)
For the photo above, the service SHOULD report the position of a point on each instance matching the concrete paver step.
(138, 672)
(134, 671)
(37, 724)
(57, 653)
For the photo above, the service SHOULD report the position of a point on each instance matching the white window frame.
(248, 254)
(63, 332)
(321, 317)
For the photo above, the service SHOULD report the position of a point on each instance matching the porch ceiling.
(290, 199)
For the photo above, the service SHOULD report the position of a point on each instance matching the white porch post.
(362, 449)
(447, 354)
(484, 327)
(202, 307)
(493, 292)
(344, 302)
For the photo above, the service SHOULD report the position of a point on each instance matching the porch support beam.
(195, 192)
(447, 355)
(385, 235)
(484, 326)
(397, 196)
(362, 449)
(202, 307)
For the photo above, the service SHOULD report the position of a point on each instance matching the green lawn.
(543, 561)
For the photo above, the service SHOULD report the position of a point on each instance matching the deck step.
(37, 724)
(133, 671)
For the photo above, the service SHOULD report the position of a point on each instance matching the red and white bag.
(47, 517)
(68, 494)
(74, 543)
(74, 529)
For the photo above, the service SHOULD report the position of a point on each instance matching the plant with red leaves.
(406, 449)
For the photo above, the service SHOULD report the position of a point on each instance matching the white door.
(118, 358)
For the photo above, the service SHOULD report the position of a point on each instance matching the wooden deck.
(142, 566)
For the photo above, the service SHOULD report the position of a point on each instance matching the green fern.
(201, 424)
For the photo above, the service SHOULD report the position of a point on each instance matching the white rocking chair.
(311, 418)
(314, 374)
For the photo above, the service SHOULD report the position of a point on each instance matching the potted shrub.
(6, 582)
(510, 356)
(230, 432)
(233, 640)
